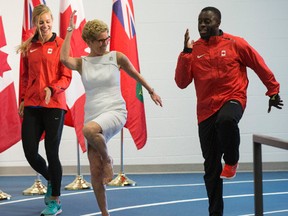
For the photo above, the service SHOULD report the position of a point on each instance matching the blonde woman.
(43, 103)
(105, 110)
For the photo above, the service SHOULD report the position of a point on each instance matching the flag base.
(36, 189)
(78, 184)
(122, 180)
(4, 196)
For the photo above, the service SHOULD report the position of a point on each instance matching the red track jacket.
(42, 68)
(219, 70)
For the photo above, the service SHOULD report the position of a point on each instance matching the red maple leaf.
(4, 66)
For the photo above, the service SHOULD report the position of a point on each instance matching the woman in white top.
(105, 110)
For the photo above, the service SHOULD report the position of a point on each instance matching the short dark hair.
(214, 10)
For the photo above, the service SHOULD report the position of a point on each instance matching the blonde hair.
(38, 11)
(92, 29)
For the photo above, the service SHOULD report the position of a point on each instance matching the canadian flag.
(75, 94)
(10, 132)
(28, 30)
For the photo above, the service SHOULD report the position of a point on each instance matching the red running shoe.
(229, 172)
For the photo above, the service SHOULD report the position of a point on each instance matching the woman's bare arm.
(128, 67)
(70, 62)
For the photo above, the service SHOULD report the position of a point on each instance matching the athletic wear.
(229, 171)
(35, 122)
(48, 193)
(42, 68)
(219, 134)
(218, 68)
(52, 209)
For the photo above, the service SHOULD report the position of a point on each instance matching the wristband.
(187, 50)
(69, 29)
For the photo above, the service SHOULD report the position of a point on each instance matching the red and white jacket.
(219, 70)
(42, 68)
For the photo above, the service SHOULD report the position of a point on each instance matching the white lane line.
(181, 201)
(147, 205)
(270, 212)
(108, 189)
(41, 197)
(11, 201)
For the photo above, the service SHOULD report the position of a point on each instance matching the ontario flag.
(10, 132)
(123, 39)
(75, 94)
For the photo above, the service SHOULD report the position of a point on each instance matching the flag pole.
(79, 182)
(37, 188)
(122, 179)
(4, 196)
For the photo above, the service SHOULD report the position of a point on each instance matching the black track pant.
(219, 135)
(35, 122)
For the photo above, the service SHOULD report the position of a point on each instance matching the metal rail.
(258, 140)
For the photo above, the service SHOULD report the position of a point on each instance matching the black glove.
(275, 101)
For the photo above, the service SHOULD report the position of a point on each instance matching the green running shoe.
(48, 193)
(52, 209)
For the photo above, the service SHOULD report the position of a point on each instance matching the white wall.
(160, 27)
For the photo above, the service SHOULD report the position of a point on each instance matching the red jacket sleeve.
(61, 84)
(253, 60)
(24, 77)
(183, 72)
